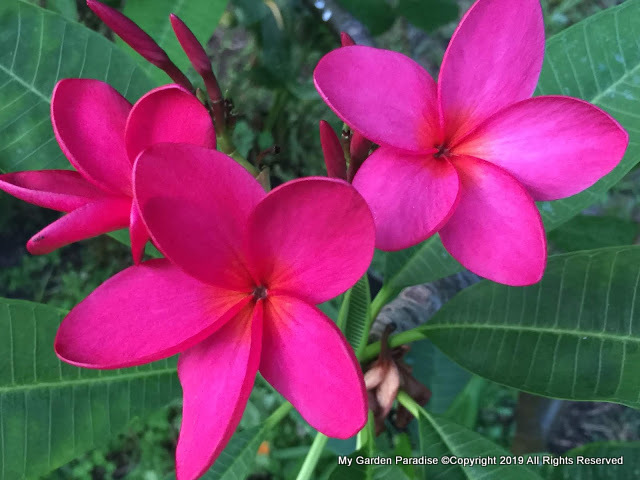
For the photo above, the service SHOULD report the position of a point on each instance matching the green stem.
(372, 350)
(226, 145)
(410, 404)
(278, 415)
(312, 457)
(381, 299)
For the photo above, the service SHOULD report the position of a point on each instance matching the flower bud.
(332, 151)
(200, 61)
(138, 39)
(346, 40)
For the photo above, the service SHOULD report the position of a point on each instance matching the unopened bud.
(332, 151)
(200, 61)
(138, 39)
(346, 40)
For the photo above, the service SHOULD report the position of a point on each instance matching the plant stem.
(410, 404)
(372, 350)
(381, 299)
(312, 457)
(278, 415)
(226, 145)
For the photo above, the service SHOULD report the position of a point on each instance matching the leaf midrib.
(85, 381)
(534, 329)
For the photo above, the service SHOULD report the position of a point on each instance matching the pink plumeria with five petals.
(102, 134)
(250, 268)
(469, 156)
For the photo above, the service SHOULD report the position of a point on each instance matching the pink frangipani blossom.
(469, 156)
(235, 296)
(102, 134)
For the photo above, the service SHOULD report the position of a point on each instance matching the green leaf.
(440, 437)
(597, 60)
(377, 15)
(38, 48)
(428, 14)
(574, 335)
(444, 378)
(465, 407)
(630, 453)
(66, 8)
(354, 317)
(426, 262)
(51, 412)
(201, 16)
(586, 232)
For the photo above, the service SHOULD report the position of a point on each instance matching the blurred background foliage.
(264, 53)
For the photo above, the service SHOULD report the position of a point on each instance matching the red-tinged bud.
(200, 61)
(138, 39)
(346, 40)
(332, 150)
(358, 151)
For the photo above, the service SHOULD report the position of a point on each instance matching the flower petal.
(217, 376)
(168, 114)
(410, 196)
(312, 237)
(307, 359)
(195, 203)
(494, 59)
(88, 221)
(384, 95)
(62, 190)
(496, 230)
(142, 314)
(88, 118)
(555, 146)
(138, 233)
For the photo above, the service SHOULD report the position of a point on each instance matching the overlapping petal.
(89, 117)
(555, 146)
(410, 196)
(494, 59)
(496, 230)
(90, 220)
(308, 360)
(195, 203)
(384, 95)
(62, 190)
(217, 376)
(312, 237)
(142, 314)
(168, 114)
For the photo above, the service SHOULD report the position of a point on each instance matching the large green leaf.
(597, 60)
(444, 378)
(51, 412)
(354, 318)
(440, 438)
(201, 16)
(574, 335)
(630, 468)
(38, 48)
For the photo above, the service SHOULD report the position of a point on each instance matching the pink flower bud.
(138, 39)
(200, 61)
(332, 150)
(346, 40)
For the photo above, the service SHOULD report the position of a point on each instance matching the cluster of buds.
(385, 377)
(343, 156)
(143, 44)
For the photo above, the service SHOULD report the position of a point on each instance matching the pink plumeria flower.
(235, 296)
(467, 157)
(102, 134)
